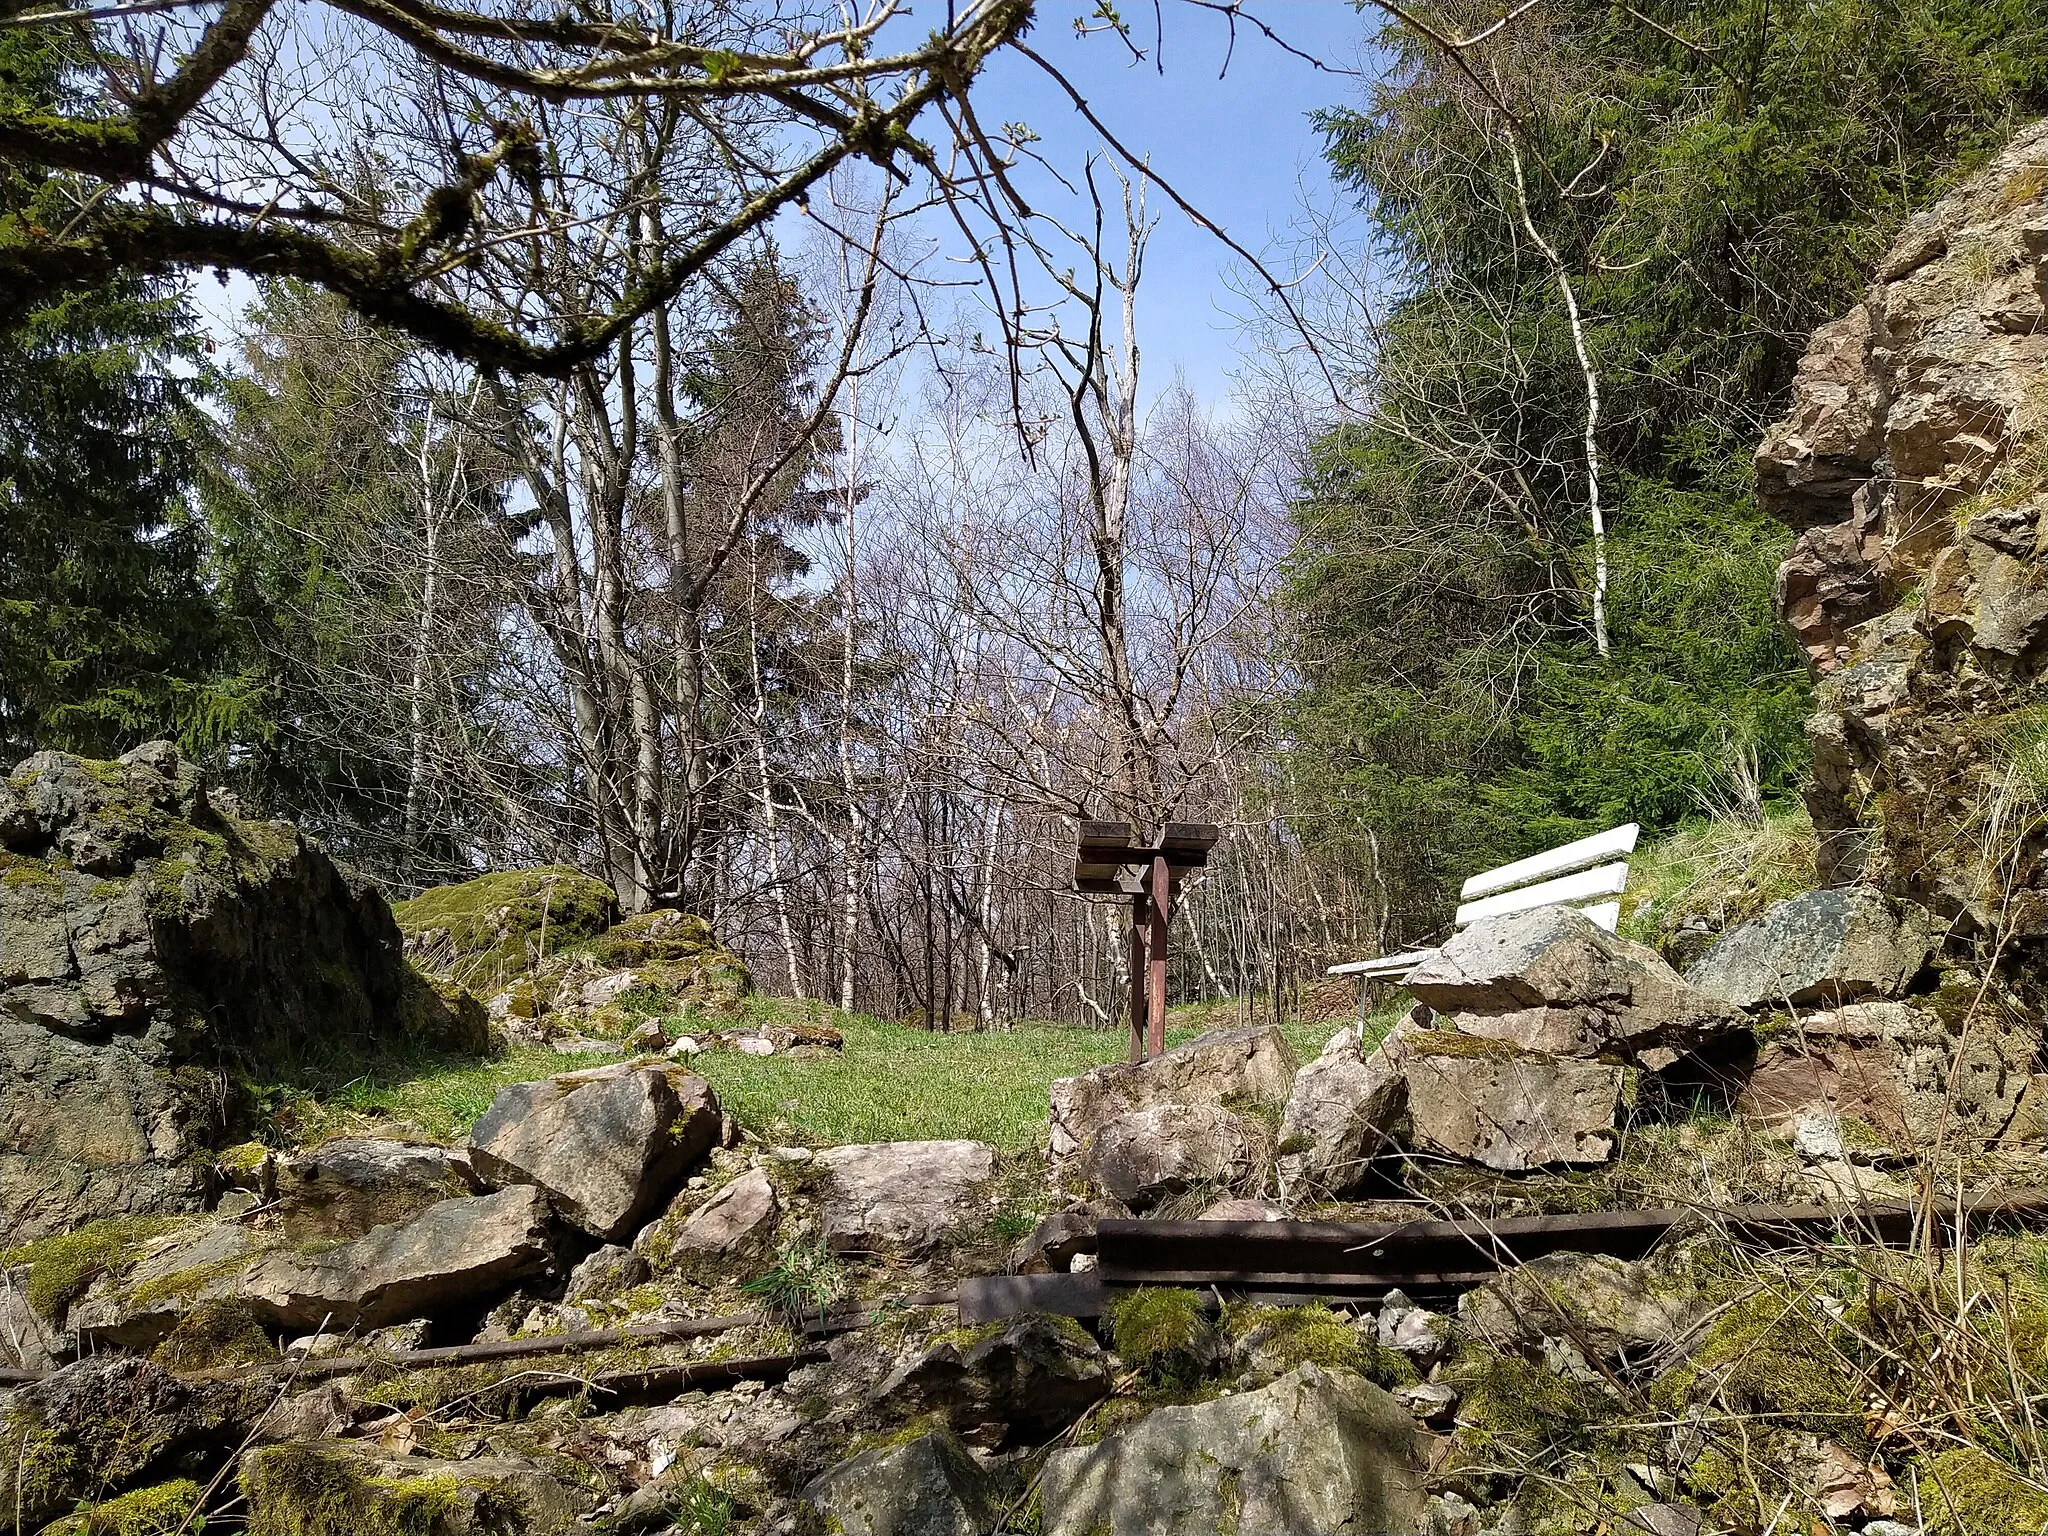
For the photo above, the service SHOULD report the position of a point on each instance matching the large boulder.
(1485, 1102)
(1228, 1067)
(459, 1252)
(1342, 1111)
(611, 1145)
(1319, 1451)
(154, 944)
(1553, 980)
(928, 1486)
(1155, 1154)
(105, 1423)
(902, 1196)
(1821, 948)
(1021, 1381)
(342, 1188)
(1909, 466)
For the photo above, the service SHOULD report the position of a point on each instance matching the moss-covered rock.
(1164, 1334)
(484, 933)
(1965, 1491)
(160, 951)
(162, 1510)
(300, 1489)
(1277, 1339)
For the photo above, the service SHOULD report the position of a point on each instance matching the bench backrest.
(1588, 874)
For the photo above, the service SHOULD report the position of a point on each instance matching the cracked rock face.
(1913, 464)
(152, 946)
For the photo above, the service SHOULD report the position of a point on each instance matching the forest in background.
(812, 605)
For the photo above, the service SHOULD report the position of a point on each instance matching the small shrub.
(803, 1282)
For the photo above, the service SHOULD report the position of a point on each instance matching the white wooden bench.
(1589, 874)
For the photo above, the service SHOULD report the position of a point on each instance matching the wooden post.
(1137, 978)
(1162, 913)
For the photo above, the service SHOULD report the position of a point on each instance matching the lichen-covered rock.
(1018, 1382)
(1343, 1109)
(1485, 1102)
(1823, 947)
(1913, 464)
(737, 1223)
(611, 1144)
(105, 1423)
(1155, 1154)
(1895, 1075)
(1232, 1066)
(340, 1486)
(929, 1486)
(342, 1188)
(151, 947)
(1601, 1305)
(1553, 980)
(459, 1251)
(901, 1196)
(1316, 1452)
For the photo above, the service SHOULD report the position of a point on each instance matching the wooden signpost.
(1110, 861)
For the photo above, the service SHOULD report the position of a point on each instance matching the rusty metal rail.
(1363, 1261)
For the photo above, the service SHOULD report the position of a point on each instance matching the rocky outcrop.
(901, 1196)
(104, 1423)
(1893, 1075)
(1553, 980)
(1913, 464)
(610, 1145)
(1485, 1102)
(154, 946)
(546, 949)
(1317, 1451)
(459, 1251)
(1233, 1066)
(1823, 947)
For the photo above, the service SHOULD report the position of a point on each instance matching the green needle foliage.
(1717, 178)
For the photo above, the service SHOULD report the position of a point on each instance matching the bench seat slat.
(1607, 880)
(1618, 842)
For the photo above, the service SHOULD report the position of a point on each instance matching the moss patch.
(485, 931)
(1521, 1409)
(215, 1334)
(1777, 1354)
(1966, 1493)
(62, 1267)
(1316, 1335)
(1162, 1334)
(299, 1490)
(158, 1511)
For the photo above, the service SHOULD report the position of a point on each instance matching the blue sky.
(1236, 144)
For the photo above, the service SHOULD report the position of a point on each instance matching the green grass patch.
(891, 1082)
